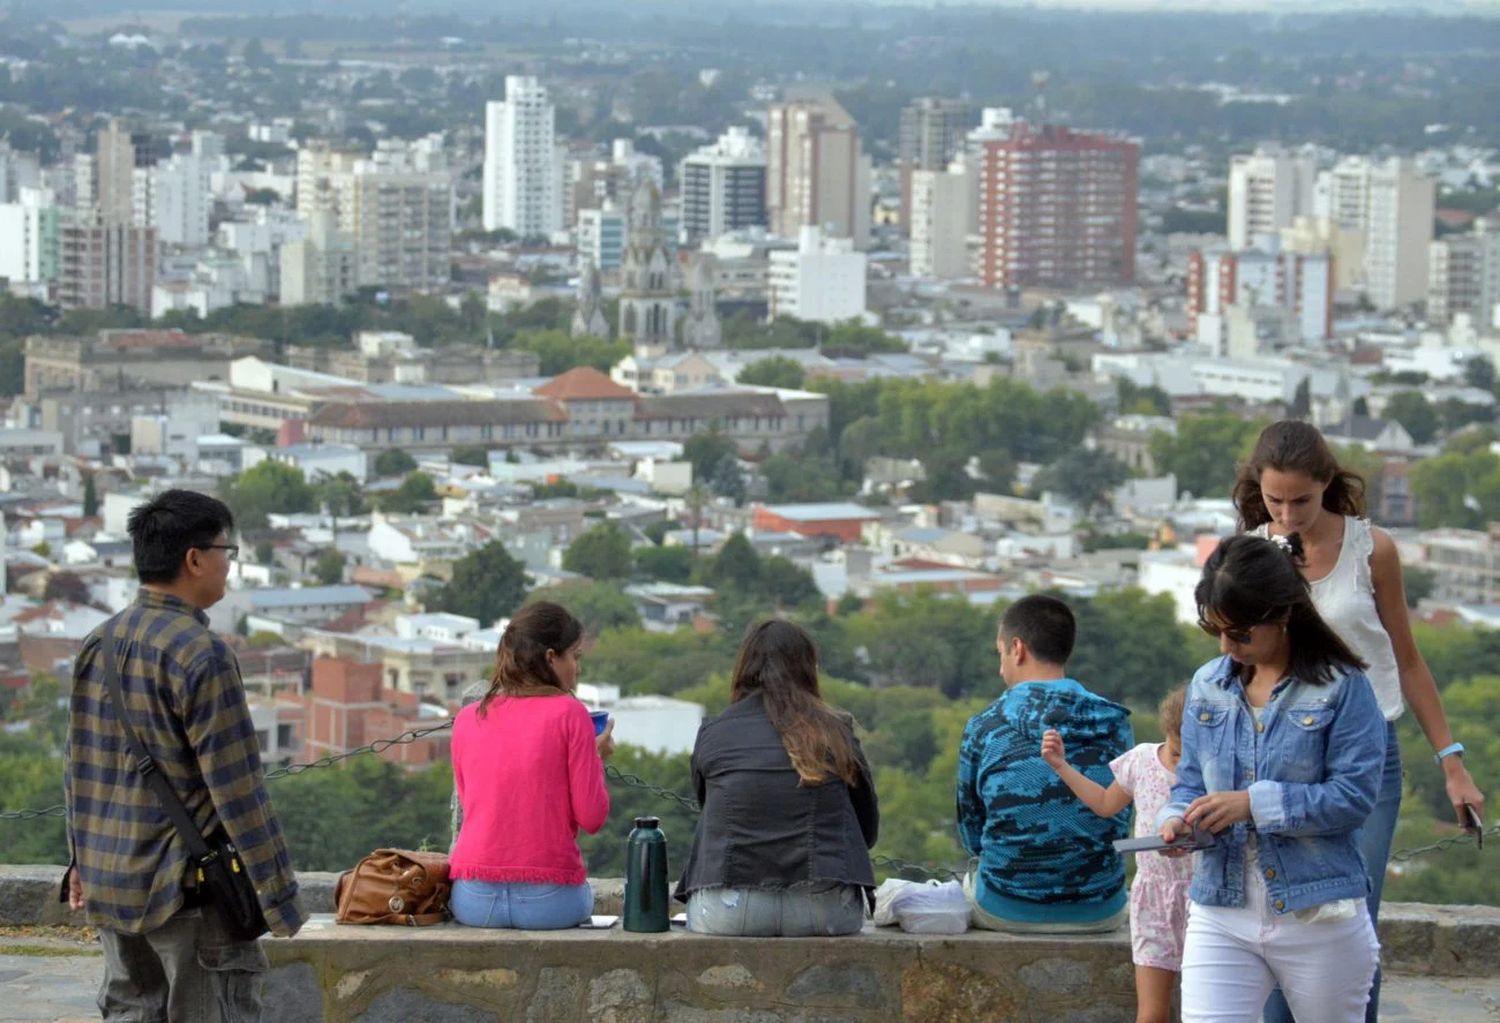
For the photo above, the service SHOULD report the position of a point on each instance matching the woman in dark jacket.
(789, 810)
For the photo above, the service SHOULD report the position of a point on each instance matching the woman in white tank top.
(1292, 483)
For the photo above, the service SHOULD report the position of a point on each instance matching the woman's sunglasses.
(1237, 636)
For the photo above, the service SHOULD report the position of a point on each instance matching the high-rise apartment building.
(114, 175)
(106, 264)
(939, 222)
(174, 197)
(932, 134)
(1057, 207)
(817, 173)
(1464, 275)
(395, 207)
(1298, 284)
(1391, 204)
(522, 179)
(29, 237)
(822, 279)
(320, 269)
(1268, 190)
(723, 187)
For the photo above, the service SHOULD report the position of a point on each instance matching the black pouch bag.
(214, 869)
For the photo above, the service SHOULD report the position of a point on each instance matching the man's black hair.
(174, 522)
(1044, 624)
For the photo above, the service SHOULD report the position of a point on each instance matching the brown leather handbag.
(394, 886)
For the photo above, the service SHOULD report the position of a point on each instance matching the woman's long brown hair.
(1294, 446)
(780, 661)
(521, 666)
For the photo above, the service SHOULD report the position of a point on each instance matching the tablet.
(1154, 843)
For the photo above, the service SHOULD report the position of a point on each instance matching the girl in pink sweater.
(528, 772)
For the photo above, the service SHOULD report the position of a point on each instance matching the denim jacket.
(1312, 766)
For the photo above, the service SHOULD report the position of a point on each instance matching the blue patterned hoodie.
(1043, 855)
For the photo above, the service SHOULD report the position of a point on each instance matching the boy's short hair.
(165, 528)
(1045, 624)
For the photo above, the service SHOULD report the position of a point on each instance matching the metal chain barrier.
(1442, 845)
(378, 746)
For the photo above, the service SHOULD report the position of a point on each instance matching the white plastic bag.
(885, 895)
(931, 908)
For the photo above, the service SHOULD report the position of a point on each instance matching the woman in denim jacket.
(1283, 744)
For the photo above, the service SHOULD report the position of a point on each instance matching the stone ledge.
(452, 974)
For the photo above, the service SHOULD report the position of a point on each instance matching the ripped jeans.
(803, 910)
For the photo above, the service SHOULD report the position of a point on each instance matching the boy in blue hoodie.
(1046, 862)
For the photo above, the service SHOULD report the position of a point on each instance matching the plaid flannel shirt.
(187, 704)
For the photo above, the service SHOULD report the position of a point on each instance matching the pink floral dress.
(1159, 896)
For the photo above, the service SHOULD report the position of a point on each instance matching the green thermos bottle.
(646, 906)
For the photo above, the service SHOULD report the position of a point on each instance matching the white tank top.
(1345, 597)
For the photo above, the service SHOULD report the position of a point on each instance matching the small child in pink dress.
(1159, 896)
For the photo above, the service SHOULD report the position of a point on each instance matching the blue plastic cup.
(601, 719)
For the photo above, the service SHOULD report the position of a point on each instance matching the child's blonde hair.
(1169, 711)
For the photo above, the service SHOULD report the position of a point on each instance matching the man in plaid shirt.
(167, 955)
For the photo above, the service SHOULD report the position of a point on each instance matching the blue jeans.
(527, 907)
(1375, 845)
(804, 910)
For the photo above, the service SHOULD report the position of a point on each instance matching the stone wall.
(451, 974)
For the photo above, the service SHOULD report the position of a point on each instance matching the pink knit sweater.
(528, 776)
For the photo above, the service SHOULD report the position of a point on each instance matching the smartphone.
(1474, 824)
(1155, 843)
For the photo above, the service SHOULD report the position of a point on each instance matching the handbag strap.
(144, 765)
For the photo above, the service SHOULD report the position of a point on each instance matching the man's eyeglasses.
(231, 550)
(1239, 637)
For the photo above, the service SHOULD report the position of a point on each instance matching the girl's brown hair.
(521, 667)
(1294, 446)
(1169, 711)
(780, 661)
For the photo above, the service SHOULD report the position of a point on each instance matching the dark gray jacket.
(760, 827)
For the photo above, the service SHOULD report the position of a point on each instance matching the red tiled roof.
(584, 384)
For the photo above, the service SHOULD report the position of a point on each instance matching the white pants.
(1234, 957)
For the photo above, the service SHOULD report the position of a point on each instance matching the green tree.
(1133, 399)
(1418, 584)
(728, 481)
(665, 564)
(928, 639)
(415, 493)
(1412, 410)
(472, 454)
(735, 567)
(707, 450)
(487, 584)
(265, 488)
(787, 584)
(90, 497)
(1206, 451)
(598, 605)
(1480, 372)
(394, 462)
(560, 352)
(1132, 649)
(329, 568)
(853, 338)
(655, 662)
(340, 496)
(777, 371)
(601, 553)
(1084, 476)
(1457, 490)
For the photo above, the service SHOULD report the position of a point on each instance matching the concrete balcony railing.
(452, 974)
